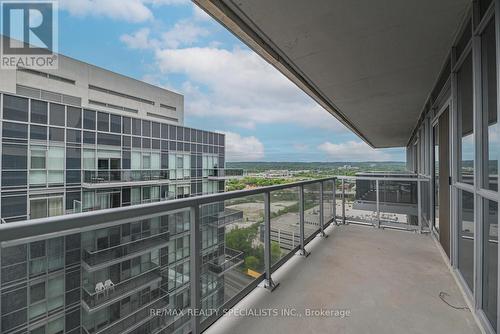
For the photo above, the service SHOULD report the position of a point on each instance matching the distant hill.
(361, 166)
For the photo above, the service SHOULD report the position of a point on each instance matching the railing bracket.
(269, 285)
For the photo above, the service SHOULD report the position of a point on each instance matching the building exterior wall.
(467, 90)
(63, 153)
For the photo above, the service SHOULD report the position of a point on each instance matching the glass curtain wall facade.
(468, 87)
(59, 159)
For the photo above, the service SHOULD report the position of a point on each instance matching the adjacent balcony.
(216, 174)
(114, 177)
(94, 301)
(226, 217)
(231, 259)
(98, 259)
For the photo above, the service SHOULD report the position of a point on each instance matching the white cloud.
(241, 87)
(240, 148)
(353, 151)
(126, 10)
(200, 14)
(183, 32)
(139, 39)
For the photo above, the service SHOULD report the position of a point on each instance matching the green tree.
(251, 262)
(275, 252)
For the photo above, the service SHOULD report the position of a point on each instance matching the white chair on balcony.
(109, 285)
(99, 288)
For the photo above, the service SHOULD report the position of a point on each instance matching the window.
(55, 294)
(490, 260)
(14, 156)
(56, 113)
(466, 129)
(74, 117)
(103, 121)
(116, 123)
(466, 237)
(88, 137)
(146, 161)
(38, 155)
(491, 132)
(73, 136)
(126, 128)
(14, 206)
(38, 208)
(73, 158)
(146, 128)
(156, 129)
(15, 108)
(39, 112)
(37, 291)
(15, 130)
(136, 126)
(38, 132)
(89, 118)
(108, 139)
(56, 134)
(88, 159)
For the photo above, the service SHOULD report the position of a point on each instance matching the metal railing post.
(343, 202)
(377, 189)
(195, 277)
(302, 250)
(419, 206)
(268, 283)
(334, 194)
(321, 211)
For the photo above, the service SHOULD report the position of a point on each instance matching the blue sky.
(227, 87)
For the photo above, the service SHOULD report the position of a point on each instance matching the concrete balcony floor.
(389, 280)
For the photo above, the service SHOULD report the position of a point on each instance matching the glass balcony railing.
(95, 299)
(206, 265)
(225, 173)
(384, 200)
(230, 259)
(123, 175)
(97, 258)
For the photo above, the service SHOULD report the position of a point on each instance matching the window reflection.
(491, 139)
(490, 260)
(465, 112)
(466, 237)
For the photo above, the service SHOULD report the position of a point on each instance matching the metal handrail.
(79, 222)
(27, 231)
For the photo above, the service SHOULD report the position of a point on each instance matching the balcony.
(377, 276)
(94, 179)
(231, 258)
(225, 174)
(388, 280)
(94, 301)
(226, 217)
(98, 259)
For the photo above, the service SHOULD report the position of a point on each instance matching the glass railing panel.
(398, 202)
(125, 175)
(232, 253)
(425, 200)
(328, 201)
(285, 229)
(338, 199)
(362, 201)
(311, 208)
